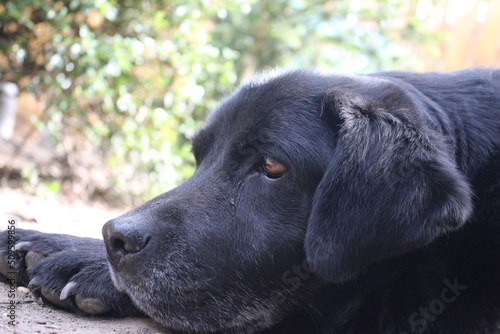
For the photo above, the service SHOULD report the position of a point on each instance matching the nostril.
(118, 245)
(131, 245)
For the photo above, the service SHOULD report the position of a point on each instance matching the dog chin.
(260, 315)
(248, 322)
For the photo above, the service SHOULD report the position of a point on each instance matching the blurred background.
(99, 98)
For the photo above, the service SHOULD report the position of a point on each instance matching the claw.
(68, 290)
(23, 246)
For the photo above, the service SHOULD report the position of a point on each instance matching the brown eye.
(272, 168)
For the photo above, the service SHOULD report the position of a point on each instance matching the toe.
(53, 297)
(92, 305)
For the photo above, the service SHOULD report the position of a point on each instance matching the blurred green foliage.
(126, 83)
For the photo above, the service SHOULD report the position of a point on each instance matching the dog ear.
(391, 185)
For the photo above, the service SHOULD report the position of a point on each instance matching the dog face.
(329, 173)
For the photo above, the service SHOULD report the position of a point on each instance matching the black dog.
(320, 204)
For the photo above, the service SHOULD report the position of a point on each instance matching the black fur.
(387, 219)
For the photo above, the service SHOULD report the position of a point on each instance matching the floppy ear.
(391, 185)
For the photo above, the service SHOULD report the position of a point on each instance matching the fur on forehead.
(296, 77)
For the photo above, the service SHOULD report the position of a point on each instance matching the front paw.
(21, 249)
(80, 283)
(67, 271)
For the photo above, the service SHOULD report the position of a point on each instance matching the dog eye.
(273, 169)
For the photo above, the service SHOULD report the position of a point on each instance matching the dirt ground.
(54, 215)
(33, 318)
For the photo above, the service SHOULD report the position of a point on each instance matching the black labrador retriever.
(321, 203)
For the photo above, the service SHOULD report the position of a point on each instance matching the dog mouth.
(116, 279)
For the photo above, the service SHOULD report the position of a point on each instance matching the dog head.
(298, 170)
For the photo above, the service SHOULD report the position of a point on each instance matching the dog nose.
(123, 238)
